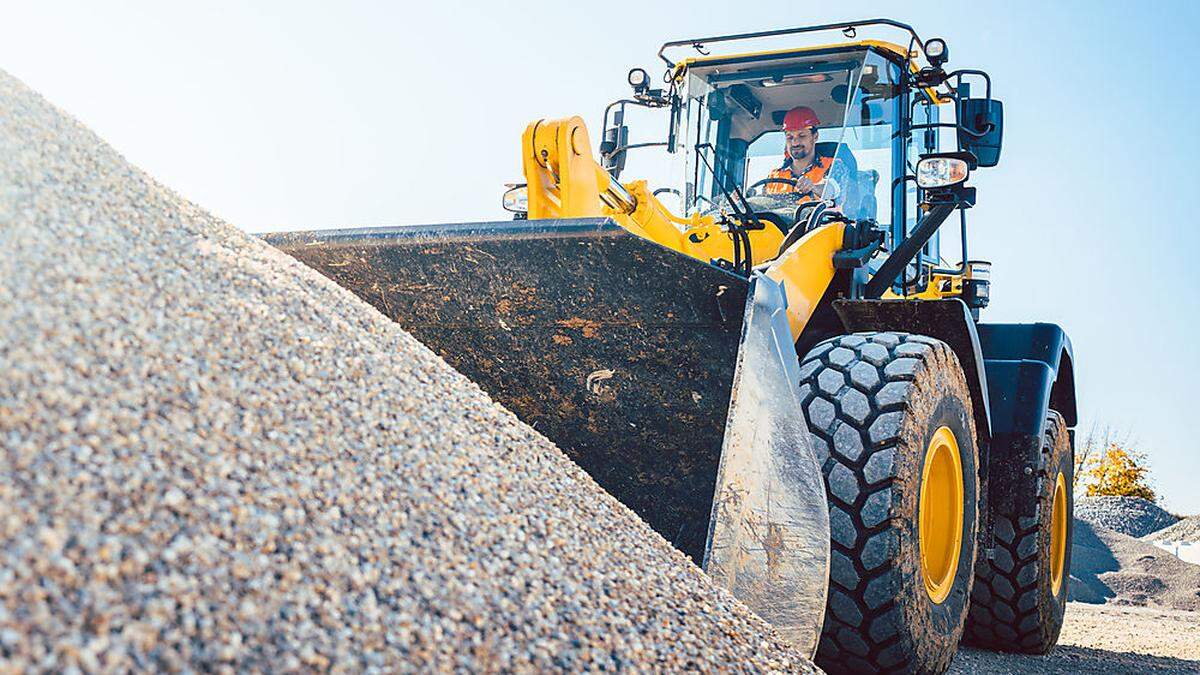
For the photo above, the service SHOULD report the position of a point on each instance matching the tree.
(1089, 452)
(1120, 472)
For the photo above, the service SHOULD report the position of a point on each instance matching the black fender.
(947, 320)
(1016, 373)
(1030, 369)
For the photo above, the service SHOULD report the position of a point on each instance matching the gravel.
(1186, 530)
(1113, 568)
(1104, 639)
(1133, 516)
(216, 459)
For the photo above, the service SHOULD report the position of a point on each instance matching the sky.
(303, 115)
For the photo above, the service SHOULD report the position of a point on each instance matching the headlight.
(516, 199)
(936, 172)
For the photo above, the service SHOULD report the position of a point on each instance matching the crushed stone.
(1114, 568)
(1132, 516)
(1186, 530)
(215, 459)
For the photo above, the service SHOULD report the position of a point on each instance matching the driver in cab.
(803, 172)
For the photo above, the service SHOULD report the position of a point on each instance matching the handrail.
(700, 42)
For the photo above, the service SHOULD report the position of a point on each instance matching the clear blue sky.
(303, 115)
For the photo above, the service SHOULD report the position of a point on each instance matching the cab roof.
(879, 35)
(892, 50)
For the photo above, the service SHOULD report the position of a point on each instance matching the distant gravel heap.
(214, 458)
(1111, 567)
(1186, 530)
(1132, 516)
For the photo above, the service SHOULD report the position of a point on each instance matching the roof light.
(936, 51)
(638, 79)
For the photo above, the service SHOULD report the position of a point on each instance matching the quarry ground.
(1105, 639)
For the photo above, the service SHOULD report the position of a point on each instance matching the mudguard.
(1030, 369)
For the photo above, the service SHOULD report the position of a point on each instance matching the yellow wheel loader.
(780, 372)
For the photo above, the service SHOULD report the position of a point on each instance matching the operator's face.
(800, 144)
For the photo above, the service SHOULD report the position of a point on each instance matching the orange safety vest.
(816, 173)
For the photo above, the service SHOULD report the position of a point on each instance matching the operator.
(812, 174)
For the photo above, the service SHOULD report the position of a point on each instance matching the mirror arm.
(958, 76)
(619, 150)
(608, 109)
(958, 126)
(907, 250)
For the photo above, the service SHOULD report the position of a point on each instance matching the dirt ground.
(1105, 639)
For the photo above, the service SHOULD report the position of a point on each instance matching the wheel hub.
(940, 514)
(1058, 533)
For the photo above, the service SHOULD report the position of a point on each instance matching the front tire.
(1020, 595)
(890, 417)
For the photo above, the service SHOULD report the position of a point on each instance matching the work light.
(939, 172)
(935, 49)
(638, 79)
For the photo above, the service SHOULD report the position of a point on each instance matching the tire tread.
(1005, 610)
(862, 631)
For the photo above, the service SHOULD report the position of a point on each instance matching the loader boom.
(565, 181)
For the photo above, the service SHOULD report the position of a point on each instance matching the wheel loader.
(782, 374)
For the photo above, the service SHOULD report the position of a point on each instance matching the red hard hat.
(799, 118)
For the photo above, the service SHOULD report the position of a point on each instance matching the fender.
(947, 320)
(1030, 370)
(1016, 373)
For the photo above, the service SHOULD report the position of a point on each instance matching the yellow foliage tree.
(1120, 472)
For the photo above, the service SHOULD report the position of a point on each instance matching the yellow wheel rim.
(940, 514)
(1058, 533)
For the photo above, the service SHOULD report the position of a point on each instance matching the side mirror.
(612, 149)
(516, 200)
(981, 128)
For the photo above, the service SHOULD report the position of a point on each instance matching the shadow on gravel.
(1068, 660)
(1090, 557)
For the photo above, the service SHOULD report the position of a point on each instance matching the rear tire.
(890, 416)
(1020, 594)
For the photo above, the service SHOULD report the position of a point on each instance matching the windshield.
(844, 111)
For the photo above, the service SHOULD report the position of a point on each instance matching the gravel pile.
(1111, 567)
(1132, 516)
(216, 459)
(1186, 530)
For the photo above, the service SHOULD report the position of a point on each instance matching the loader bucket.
(627, 355)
